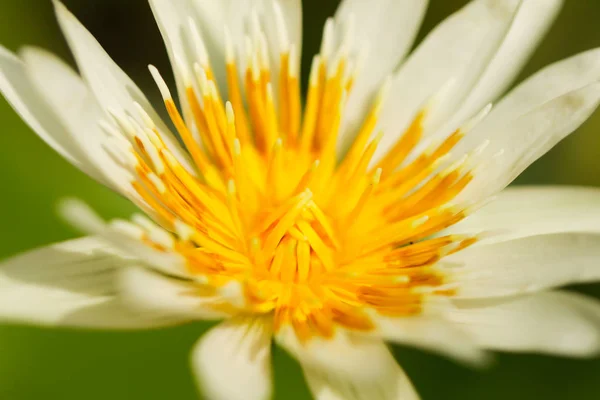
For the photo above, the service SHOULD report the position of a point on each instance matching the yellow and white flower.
(360, 218)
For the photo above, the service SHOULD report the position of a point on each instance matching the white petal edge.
(531, 24)
(523, 211)
(173, 19)
(525, 265)
(515, 144)
(19, 91)
(232, 361)
(431, 333)
(71, 284)
(78, 111)
(453, 56)
(119, 235)
(567, 85)
(113, 89)
(349, 367)
(388, 31)
(150, 292)
(559, 323)
(213, 16)
(545, 85)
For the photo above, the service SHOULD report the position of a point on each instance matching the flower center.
(315, 240)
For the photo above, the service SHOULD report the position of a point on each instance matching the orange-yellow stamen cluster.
(314, 240)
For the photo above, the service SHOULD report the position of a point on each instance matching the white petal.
(549, 83)
(76, 109)
(433, 334)
(526, 265)
(69, 284)
(532, 118)
(237, 15)
(515, 144)
(215, 15)
(233, 360)
(349, 367)
(119, 235)
(147, 291)
(173, 20)
(111, 86)
(458, 50)
(527, 30)
(387, 30)
(114, 314)
(553, 322)
(79, 114)
(18, 90)
(534, 210)
(211, 18)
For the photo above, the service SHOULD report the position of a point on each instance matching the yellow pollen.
(315, 241)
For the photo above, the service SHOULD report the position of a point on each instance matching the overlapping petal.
(431, 333)
(349, 367)
(384, 34)
(21, 93)
(73, 284)
(559, 323)
(114, 90)
(194, 32)
(465, 60)
(525, 265)
(232, 361)
(146, 291)
(523, 211)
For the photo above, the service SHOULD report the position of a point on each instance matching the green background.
(43, 363)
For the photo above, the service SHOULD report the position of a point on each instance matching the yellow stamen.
(315, 241)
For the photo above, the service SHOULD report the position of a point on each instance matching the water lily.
(373, 210)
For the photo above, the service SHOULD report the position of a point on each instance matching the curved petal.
(147, 291)
(349, 367)
(528, 29)
(433, 334)
(525, 265)
(19, 91)
(531, 119)
(457, 50)
(232, 361)
(69, 284)
(209, 19)
(114, 90)
(174, 19)
(213, 16)
(237, 16)
(79, 114)
(547, 84)
(387, 31)
(535, 210)
(514, 145)
(77, 110)
(559, 323)
(481, 48)
(126, 237)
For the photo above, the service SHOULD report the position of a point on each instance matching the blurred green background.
(41, 363)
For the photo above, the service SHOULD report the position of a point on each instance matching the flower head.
(358, 217)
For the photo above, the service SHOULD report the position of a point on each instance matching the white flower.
(364, 219)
